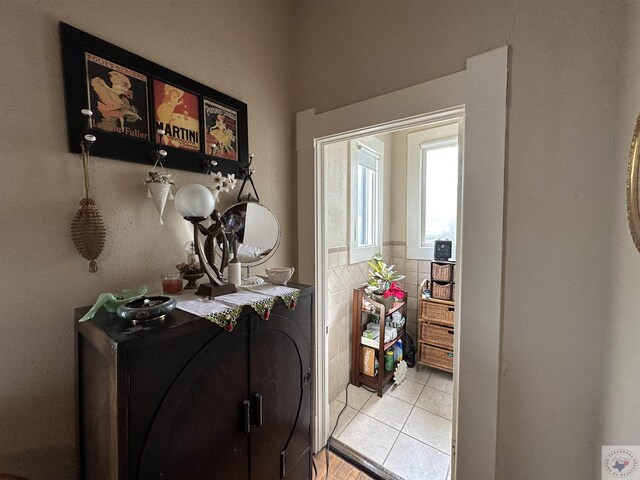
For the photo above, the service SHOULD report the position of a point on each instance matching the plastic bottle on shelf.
(388, 360)
(397, 351)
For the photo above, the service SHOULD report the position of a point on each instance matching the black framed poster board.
(132, 97)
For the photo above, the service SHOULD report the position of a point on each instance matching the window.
(366, 198)
(366, 204)
(432, 189)
(439, 191)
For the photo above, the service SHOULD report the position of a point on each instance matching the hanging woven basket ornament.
(87, 228)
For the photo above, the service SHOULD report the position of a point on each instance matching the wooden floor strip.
(338, 468)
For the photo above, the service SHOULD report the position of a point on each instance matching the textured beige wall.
(387, 190)
(398, 215)
(337, 193)
(238, 47)
(565, 200)
(621, 386)
(558, 192)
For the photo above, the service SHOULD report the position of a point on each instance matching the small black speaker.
(442, 250)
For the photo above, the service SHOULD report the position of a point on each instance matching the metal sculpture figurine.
(213, 234)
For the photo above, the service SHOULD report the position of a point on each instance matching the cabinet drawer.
(442, 272)
(436, 335)
(439, 312)
(442, 290)
(436, 357)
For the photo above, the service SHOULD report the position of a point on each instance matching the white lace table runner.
(225, 310)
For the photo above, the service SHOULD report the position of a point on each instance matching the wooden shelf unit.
(360, 318)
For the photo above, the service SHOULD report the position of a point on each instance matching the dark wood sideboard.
(185, 400)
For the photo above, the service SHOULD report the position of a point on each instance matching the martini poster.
(177, 113)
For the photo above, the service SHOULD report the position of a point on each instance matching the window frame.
(373, 148)
(417, 142)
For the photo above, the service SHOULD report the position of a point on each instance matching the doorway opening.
(392, 193)
(482, 89)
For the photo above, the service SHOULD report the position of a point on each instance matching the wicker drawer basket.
(436, 335)
(438, 312)
(442, 291)
(442, 272)
(436, 357)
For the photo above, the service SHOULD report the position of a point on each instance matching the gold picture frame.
(633, 207)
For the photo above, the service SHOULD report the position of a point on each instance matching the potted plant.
(382, 285)
(191, 272)
(159, 187)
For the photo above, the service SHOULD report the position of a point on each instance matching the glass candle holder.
(172, 283)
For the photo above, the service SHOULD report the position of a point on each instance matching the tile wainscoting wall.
(342, 279)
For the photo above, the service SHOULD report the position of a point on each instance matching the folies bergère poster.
(117, 97)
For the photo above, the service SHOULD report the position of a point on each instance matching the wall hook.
(245, 174)
(209, 162)
(158, 154)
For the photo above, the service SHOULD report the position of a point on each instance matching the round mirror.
(257, 230)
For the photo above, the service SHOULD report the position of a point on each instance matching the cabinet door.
(281, 376)
(197, 432)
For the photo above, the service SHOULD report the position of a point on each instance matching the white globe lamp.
(194, 202)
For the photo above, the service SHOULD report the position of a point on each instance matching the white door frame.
(482, 89)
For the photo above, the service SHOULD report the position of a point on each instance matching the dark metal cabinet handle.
(258, 410)
(247, 416)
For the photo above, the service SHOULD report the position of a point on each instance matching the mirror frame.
(278, 240)
(633, 208)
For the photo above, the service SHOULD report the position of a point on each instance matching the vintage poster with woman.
(177, 113)
(117, 98)
(221, 129)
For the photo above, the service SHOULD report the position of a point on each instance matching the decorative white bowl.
(279, 275)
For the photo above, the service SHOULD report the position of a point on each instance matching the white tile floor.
(408, 430)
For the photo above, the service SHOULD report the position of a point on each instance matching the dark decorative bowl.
(192, 278)
(147, 309)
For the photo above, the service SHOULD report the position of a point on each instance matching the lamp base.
(211, 290)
